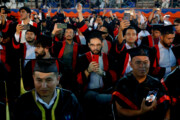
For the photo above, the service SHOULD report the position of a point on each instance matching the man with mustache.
(95, 77)
(42, 51)
(132, 90)
(166, 55)
(68, 51)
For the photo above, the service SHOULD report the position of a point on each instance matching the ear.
(89, 44)
(58, 79)
(33, 77)
(161, 37)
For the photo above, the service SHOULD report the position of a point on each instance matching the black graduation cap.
(169, 29)
(46, 66)
(70, 26)
(139, 51)
(95, 34)
(27, 9)
(33, 29)
(157, 26)
(44, 41)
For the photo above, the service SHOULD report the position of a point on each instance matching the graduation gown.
(129, 94)
(172, 85)
(65, 107)
(109, 79)
(29, 69)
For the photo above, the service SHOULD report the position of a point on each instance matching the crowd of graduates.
(104, 66)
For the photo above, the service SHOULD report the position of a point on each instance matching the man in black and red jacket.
(131, 92)
(96, 76)
(68, 51)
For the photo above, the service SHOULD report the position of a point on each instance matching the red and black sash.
(75, 53)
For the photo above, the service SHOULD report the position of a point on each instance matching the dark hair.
(177, 20)
(44, 41)
(92, 37)
(130, 27)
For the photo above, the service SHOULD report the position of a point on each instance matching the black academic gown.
(129, 93)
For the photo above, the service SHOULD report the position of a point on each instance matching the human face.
(156, 33)
(95, 45)
(23, 14)
(45, 83)
(167, 40)
(2, 10)
(40, 51)
(140, 65)
(177, 27)
(30, 37)
(69, 34)
(131, 36)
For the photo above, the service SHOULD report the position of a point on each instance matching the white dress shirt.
(1, 48)
(167, 58)
(30, 53)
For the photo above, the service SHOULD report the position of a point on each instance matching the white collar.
(129, 47)
(48, 106)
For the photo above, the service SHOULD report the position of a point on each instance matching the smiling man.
(46, 101)
(132, 89)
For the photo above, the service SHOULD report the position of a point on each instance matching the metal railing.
(97, 3)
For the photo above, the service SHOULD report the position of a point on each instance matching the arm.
(131, 113)
(151, 15)
(79, 10)
(123, 24)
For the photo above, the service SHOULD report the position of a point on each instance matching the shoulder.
(67, 95)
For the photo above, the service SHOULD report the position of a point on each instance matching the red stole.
(105, 60)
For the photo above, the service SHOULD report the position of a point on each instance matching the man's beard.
(166, 45)
(40, 56)
(30, 41)
(98, 53)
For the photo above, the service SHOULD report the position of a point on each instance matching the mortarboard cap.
(46, 66)
(168, 29)
(140, 51)
(157, 26)
(32, 29)
(28, 10)
(95, 34)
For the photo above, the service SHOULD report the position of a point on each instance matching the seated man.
(96, 77)
(131, 91)
(46, 102)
